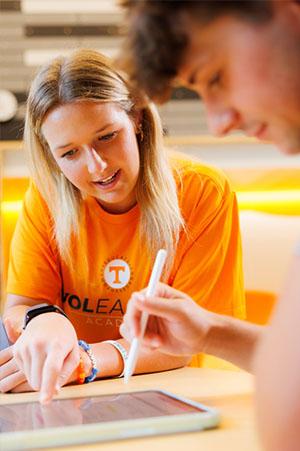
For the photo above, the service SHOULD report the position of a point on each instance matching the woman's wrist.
(108, 359)
(13, 320)
(86, 364)
(86, 361)
(122, 351)
(94, 370)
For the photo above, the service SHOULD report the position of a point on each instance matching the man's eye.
(69, 154)
(107, 137)
(215, 79)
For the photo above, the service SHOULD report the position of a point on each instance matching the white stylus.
(134, 348)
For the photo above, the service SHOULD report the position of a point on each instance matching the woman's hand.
(176, 325)
(11, 377)
(47, 353)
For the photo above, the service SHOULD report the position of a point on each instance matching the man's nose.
(222, 121)
(95, 162)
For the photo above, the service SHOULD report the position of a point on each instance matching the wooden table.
(230, 391)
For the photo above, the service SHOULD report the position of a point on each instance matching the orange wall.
(13, 189)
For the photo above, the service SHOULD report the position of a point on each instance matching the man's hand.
(176, 325)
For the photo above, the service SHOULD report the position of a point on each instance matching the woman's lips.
(109, 182)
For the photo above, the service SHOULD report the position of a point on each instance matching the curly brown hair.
(157, 39)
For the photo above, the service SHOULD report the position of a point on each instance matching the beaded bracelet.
(86, 347)
(80, 372)
(121, 350)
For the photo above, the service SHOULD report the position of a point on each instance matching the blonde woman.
(104, 198)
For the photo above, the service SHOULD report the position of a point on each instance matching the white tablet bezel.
(113, 430)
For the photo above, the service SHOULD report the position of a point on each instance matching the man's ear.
(295, 13)
(291, 9)
(295, 5)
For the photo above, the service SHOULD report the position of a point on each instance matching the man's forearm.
(233, 340)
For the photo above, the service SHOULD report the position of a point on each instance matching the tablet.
(100, 418)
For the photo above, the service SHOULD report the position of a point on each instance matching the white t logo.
(117, 274)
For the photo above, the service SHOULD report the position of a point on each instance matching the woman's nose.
(95, 162)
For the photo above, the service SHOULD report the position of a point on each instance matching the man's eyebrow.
(190, 81)
(63, 146)
(192, 78)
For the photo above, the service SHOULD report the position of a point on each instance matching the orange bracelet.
(80, 372)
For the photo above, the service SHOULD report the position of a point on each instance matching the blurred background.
(267, 183)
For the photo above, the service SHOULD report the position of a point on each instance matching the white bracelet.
(121, 350)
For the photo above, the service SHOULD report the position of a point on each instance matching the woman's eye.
(107, 137)
(69, 154)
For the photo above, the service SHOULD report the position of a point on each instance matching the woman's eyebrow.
(63, 146)
(104, 127)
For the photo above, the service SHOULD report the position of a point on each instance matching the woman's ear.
(138, 119)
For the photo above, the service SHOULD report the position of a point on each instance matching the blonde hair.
(88, 75)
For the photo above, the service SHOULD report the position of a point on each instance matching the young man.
(243, 58)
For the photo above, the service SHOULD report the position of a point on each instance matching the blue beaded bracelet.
(86, 347)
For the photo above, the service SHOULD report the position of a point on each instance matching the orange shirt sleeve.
(208, 266)
(34, 269)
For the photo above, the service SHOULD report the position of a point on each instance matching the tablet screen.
(97, 409)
